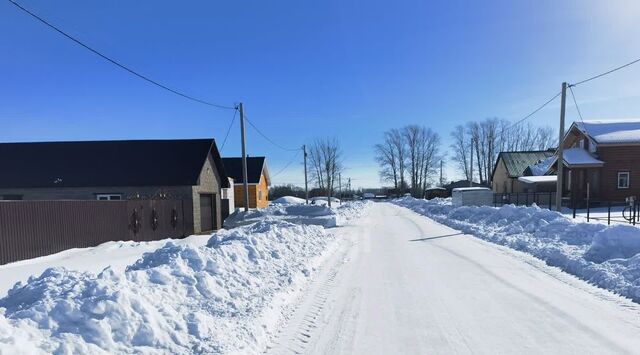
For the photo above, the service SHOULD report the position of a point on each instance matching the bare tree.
(423, 147)
(326, 158)
(491, 136)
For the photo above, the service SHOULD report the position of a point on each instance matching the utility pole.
(560, 160)
(471, 166)
(244, 159)
(306, 186)
(441, 173)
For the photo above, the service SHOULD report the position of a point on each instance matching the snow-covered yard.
(223, 293)
(606, 256)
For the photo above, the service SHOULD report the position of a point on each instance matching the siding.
(619, 158)
(254, 190)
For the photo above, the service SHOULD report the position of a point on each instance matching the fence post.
(517, 198)
(609, 213)
(588, 210)
(633, 214)
(550, 197)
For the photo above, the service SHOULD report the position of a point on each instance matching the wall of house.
(619, 158)
(254, 194)
(502, 183)
(208, 183)
(89, 193)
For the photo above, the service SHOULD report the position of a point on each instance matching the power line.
(113, 61)
(578, 109)
(229, 129)
(287, 165)
(605, 73)
(269, 139)
(533, 112)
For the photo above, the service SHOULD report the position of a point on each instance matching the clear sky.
(306, 69)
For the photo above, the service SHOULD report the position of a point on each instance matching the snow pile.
(288, 200)
(606, 256)
(300, 214)
(222, 297)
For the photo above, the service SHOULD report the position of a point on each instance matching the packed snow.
(226, 296)
(288, 200)
(606, 256)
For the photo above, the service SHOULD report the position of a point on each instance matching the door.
(207, 212)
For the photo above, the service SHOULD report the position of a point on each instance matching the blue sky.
(343, 69)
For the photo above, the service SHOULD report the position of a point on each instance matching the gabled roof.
(107, 163)
(516, 162)
(578, 158)
(611, 131)
(255, 167)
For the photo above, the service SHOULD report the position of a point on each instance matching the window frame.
(109, 197)
(628, 174)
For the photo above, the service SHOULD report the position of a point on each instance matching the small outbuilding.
(257, 178)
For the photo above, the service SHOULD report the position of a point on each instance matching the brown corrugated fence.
(30, 229)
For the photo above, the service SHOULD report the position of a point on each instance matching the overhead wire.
(605, 73)
(229, 129)
(116, 63)
(295, 156)
(267, 138)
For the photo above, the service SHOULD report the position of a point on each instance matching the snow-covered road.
(403, 284)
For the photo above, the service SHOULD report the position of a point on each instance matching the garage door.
(207, 212)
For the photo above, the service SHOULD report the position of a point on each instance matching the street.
(403, 284)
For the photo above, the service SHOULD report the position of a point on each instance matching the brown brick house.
(603, 157)
(189, 170)
(257, 177)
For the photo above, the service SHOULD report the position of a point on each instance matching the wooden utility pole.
(560, 160)
(441, 183)
(306, 185)
(244, 160)
(471, 166)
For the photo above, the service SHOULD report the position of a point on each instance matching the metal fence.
(30, 229)
(542, 199)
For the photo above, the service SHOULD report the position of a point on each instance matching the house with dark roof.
(458, 184)
(190, 170)
(257, 178)
(512, 165)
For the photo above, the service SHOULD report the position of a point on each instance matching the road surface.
(403, 284)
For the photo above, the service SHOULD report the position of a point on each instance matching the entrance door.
(207, 212)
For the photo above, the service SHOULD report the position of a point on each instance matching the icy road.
(403, 284)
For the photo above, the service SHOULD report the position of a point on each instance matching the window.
(569, 181)
(623, 179)
(260, 195)
(108, 197)
(11, 197)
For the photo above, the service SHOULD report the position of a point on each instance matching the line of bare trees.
(409, 157)
(325, 158)
(491, 136)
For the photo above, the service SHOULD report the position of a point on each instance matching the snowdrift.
(606, 256)
(320, 215)
(288, 200)
(227, 296)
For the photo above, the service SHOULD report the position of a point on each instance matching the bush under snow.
(606, 256)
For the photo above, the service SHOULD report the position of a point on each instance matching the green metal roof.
(517, 162)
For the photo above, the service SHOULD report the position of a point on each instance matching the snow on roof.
(611, 131)
(470, 188)
(541, 167)
(538, 179)
(579, 156)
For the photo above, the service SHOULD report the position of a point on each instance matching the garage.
(207, 212)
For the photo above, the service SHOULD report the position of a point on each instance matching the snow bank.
(300, 214)
(288, 200)
(608, 257)
(177, 299)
